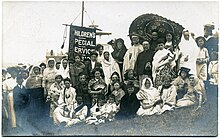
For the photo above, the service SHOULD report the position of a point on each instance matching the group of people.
(150, 77)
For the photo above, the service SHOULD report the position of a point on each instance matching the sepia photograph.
(109, 68)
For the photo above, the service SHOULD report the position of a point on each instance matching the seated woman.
(181, 82)
(129, 103)
(168, 94)
(53, 95)
(148, 96)
(195, 88)
(97, 86)
(67, 99)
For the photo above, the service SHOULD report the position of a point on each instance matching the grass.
(180, 122)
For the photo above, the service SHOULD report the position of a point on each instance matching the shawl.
(109, 67)
(131, 56)
(148, 95)
(188, 48)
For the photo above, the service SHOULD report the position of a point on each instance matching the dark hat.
(93, 53)
(200, 37)
(184, 69)
(12, 69)
(130, 84)
(160, 40)
(209, 26)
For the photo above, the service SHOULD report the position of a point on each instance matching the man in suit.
(20, 98)
(92, 64)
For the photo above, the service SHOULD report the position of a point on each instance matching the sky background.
(32, 28)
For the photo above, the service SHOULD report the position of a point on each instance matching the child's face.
(64, 63)
(135, 40)
(117, 86)
(111, 100)
(97, 74)
(101, 103)
(147, 84)
(82, 78)
(51, 63)
(77, 59)
(67, 84)
(169, 37)
(58, 66)
(58, 79)
(130, 74)
(160, 46)
(183, 74)
(130, 90)
(20, 81)
(154, 35)
(114, 78)
(167, 81)
(106, 55)
(201, 42)
(191, 81)
(93, 57)
(36, 70)
(119, 44)
(25, 75)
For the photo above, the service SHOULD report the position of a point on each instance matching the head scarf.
(143, 87)
(32, 71)
(51, 59)
(62, 71)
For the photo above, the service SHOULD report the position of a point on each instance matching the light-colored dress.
(190, 97)
(53, 95)
(213, 72)
(131, 57)
(201, 68)
(188, 48)
(148, 97)
(65, 110)
(168, 98)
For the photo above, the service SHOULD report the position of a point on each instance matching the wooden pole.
(82, 13)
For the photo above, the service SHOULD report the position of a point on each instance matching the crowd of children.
(147, 79)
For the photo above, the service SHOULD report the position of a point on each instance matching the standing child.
(213, 69)
(77, 68)
(202, 59)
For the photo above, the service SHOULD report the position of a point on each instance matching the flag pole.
(82, 13)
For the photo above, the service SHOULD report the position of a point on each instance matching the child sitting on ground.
(109, 109)
(118, 92)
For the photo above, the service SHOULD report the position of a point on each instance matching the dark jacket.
(142, 59)
(21, 98)
(128, 106)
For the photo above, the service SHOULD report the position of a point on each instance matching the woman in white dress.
(148, 96)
